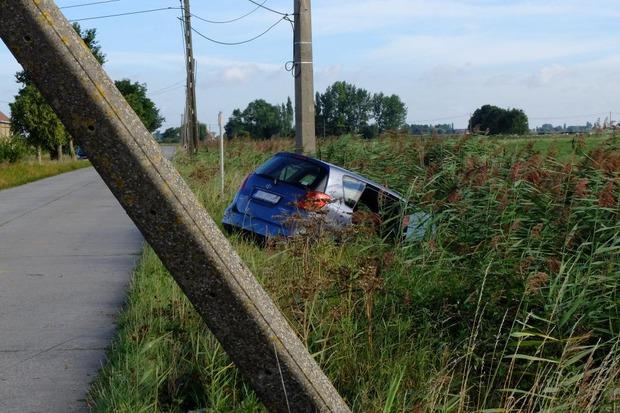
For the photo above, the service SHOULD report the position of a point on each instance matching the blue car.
(81, 154)
(289, 188)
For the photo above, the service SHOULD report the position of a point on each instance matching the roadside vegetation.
(38, 133)
(20, 173)
(511, 304)
(18, 165)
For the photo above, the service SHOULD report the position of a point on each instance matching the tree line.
(342, 108)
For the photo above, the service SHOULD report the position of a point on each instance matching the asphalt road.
(67, 249)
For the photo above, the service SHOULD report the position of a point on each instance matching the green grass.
(511, 305)
(19, 173)
(562, 146)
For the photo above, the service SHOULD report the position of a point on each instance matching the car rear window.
(294, 171)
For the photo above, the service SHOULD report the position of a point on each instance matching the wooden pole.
(190, 65)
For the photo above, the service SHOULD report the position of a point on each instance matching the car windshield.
(293, 171)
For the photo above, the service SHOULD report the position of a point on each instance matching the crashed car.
(290, 185)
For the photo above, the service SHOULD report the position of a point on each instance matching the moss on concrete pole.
(230, 300)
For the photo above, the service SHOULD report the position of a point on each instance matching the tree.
(261, 120)
(33, 118)
(135, 95)
(389, 112)
(235, 125)
(171, 135)
(518, 122)
(287, 115)
(439, 129)
(343, 108)
(496, 120)
(89, 36)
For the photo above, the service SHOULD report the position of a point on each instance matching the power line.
(267, 8)
(168, 88)
(163, 92)
(241, 42)
(125, 14)
(231, 20)
(88, 4)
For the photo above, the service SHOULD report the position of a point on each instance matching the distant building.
(5, 126)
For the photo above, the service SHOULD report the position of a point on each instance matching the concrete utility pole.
(303, 70)
(230, 300)
(190, 65)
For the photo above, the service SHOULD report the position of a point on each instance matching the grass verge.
(511, 305)
(15, 174)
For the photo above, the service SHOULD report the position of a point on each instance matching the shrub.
(13, 149)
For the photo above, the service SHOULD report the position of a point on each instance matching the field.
(22, 172)
(511, 304)
(562, 146)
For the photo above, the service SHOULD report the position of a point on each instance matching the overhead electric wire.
(231, 20)
(88, 4)
(125, 14)
(241, 42)
(168, 88)
(270, 9)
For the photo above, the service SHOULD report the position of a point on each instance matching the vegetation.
(33, 118)
(345, 108)
(19, 173)
(547, 129)
(262, 120)
(135, 94)
(493, 121)
(12, 149)
(439, 129)
(511, 304)
(173, 134)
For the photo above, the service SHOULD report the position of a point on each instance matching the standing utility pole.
(305, 139)
(191, 119)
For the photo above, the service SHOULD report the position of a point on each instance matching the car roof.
(343, 171)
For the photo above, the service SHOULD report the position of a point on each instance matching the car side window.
(353, 189)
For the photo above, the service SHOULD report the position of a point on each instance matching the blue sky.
(558, 60)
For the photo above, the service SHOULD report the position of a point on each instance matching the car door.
(350, 190)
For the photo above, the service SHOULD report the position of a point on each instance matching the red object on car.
(314, 201)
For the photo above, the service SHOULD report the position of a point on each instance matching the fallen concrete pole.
(222, 289)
